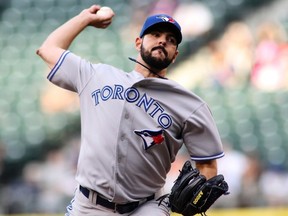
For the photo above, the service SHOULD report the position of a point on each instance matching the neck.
(142, 66)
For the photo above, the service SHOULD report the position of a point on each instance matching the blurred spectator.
(270, 66)
(224, 62)
(251, 193)
(19, 197)
(45, 187)
(52, 100)
(188, 15)
(274, 184)
(2, 155)
(56, 182)
(164, 6)
(232, 166)
(232, 56)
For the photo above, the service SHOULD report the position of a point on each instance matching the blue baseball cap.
(162, 19)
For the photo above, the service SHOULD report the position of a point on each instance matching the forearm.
(61, 38)
(207, 168)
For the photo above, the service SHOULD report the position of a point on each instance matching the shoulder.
(183, 93)
(106, 68)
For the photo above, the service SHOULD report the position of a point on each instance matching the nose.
(162, 40)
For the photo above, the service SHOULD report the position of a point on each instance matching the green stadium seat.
(47, 27)
(21, 5)
(10, 124)
(244, 127)
(44, 4)
(249, 143)
(10, 52)
(7, 28)
(28, 27)
(88, 3)
(280, 98)
(19, 42)
(34, 14)
(264, 111)
(73, 11)
(12, 15)
(67, 3)
(57, 13)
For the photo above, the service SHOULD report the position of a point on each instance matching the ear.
(175, 56)
(138, 43)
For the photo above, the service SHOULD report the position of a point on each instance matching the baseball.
(105, 12)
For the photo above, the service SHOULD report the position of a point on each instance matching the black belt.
(120, 208)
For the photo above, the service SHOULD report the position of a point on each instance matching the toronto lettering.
(152, 107)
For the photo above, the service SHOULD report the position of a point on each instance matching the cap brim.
(168, 25)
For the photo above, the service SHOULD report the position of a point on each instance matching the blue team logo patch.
(150, 138)
(166, 19)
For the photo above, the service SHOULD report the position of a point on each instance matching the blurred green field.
(224, 212)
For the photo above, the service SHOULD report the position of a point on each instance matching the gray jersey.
(133, 127)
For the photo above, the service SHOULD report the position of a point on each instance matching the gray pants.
(80, 205)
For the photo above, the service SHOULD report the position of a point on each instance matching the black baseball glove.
(193, 194)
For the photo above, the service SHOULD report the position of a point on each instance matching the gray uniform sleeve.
(201, 135)
(71, 72)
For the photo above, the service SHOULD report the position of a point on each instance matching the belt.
(120, 208)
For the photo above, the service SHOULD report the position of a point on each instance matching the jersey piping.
(57, 66)
(212, 157)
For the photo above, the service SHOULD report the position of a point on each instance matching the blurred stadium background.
(234, 55)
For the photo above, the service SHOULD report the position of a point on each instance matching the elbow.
(39, 51)
(43, 50)
(43, 53)
(49, 54)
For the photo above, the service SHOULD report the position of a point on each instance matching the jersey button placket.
(126, 116)
(121, 150)
(122, 138)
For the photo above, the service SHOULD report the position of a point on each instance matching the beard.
(155, 62)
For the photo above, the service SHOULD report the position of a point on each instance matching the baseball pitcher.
(133, 123)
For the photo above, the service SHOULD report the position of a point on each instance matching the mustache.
(162, 48)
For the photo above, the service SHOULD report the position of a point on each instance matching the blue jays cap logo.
(150, 138)
(166, 18)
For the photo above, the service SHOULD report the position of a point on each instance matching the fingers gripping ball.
(105, 13)
(101, 17)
